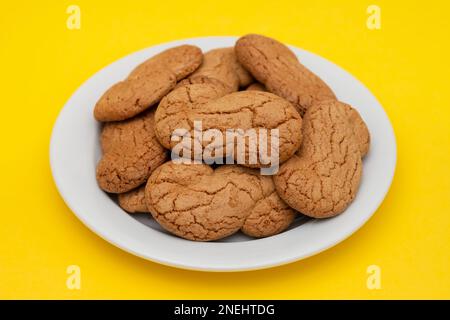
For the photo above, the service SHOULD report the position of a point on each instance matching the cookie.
(256, 87)
(127, 98)
(359, 127)
(243, 110)
(196, 202)
(199, 79)
(172, 112)
(181, 60)
(270, 215)
(147, 84)
(245, 78)
(133, 201)
(130, 153)
(322, 179)
(276, 66)
(222, 64)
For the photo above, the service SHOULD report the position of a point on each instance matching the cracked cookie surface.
(221, 64)
(270, 215)
(239, 110)
(276, 66)
(196, 202)
(147, 83)
(322, 179)
(207, 81)
(133, 201)
(359, 127)
(181, 60)
(130, 153)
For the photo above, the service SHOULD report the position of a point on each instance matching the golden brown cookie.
(196, 202)
(199, 79)
(147, 83)
(322, 179)
(243, 110)
(277, 67)
(245, 78)
(222, 64)
(270, 215)
(181, 60)
(127, 98)
(171, 113)
(131, 153)
(256, 87)
(133, 201)
(359, 127)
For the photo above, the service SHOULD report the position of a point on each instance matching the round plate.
(75, 151)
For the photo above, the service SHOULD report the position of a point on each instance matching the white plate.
(75, 150)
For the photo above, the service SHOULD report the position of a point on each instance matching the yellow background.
(405, 64)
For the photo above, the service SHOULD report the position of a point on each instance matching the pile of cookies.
(257, 84)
